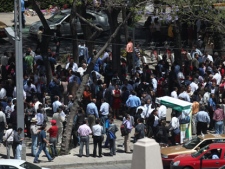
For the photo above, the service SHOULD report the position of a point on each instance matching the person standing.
(17, 143)
(218, 117)
(174, 128)
(104, 112)
(97, 138)
(59, 122)
(3, 124)
(133, 102)
(202, 119)
(127, 137)
(84, 131)
(129, 50)
(139, 129)
(34, 131)
(112, 141)
(53, 133)
(42, 146)
(39, 37)
(29, 114)
(9, 135)
(92, 113)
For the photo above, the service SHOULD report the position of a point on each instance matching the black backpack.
(124, 129)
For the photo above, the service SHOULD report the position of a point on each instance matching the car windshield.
(192, 143)
(28, 165)
(57, 17)
(197, 153)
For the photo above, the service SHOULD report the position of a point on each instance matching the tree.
(45, 41)
(67, 134)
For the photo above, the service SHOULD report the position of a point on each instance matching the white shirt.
(162, 111)
(148, 110)
(143, 114)
(104, 109)
(81, 70)
(210, 58)
(97, 130)
(36, 105)
(174, 123)
(193, 86)
(74, 68)
(14, 93)
(218, 78)
(154, 83)
(7, 133)
(55, 105)
(27, 89)
(206, 97)
(2, 117)
(2, 93)
(40, 118)
(174, 94)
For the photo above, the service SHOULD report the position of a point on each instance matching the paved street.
(115, 166)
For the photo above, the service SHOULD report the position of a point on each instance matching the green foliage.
(6, 6)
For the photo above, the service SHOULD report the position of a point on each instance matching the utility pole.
(19, 70)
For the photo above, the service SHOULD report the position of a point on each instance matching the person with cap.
(43, 145)
(53, 133)
(34, 131)
(59, 122)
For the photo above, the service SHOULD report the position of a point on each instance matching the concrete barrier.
(146, 155)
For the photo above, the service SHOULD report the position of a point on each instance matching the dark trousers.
(130, 61)
(112, 146)
(84, 140)
(97, 142)
(53, 142)
(201, 128)
(132, 111)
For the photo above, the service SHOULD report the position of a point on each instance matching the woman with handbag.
(8, 138)
(174, 128)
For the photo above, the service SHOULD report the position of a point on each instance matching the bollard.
(146, 155)
(23, 152)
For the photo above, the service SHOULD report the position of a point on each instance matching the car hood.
(185, 157)
(2, 25)
(173, 150)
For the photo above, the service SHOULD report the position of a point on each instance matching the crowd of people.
(128, 95)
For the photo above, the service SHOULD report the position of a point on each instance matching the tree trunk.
(178, 44)
(74, 32)
(124, 14)
(67, 133)
(46, 38)
(113, 22)
(87, 30)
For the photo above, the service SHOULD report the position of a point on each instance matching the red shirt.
(53, 131)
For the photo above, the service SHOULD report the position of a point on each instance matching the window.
(212, 154)
(90, 17)
(7, 167)
(28, 165)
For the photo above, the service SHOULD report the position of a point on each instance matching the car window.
(57, 17)
(192, 143)
(199, 152)
(205, 143)
(67, 20)
(28, 165)
(212, 154)
(90, 17)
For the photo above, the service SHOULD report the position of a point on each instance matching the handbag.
(5, 141)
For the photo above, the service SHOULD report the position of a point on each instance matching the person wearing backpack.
(112, 137)
(128, 127)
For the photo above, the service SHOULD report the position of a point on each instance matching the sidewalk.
(72, 160)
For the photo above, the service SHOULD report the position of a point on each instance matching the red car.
(211, 156)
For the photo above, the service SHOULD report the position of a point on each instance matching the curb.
(79, 164)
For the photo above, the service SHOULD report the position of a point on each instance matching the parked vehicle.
(210, 156)
(191, 146)
(17, 164)
(2, 30)
(62, 18)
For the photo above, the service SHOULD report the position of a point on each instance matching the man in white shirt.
(104, 112)
(82, 69)
(162, 112)
(148, 109)
(30, 89)
(194, 86)
(71, 65)
(154, 83)
(217, 77)
(97, 138)
(56, 104)
(3, 124)
(184, 95)
(2, 92)
(174, 93)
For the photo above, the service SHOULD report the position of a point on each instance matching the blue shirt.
(97, 64)
(42, 136)
(133, 101)
(92, 109)
(212, 104)
(22, 5)
(203, 116)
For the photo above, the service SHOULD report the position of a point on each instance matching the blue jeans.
(42, 146)
(53, 146)
(18, 152)
(103, 120)
(219, 127)
(34, 144)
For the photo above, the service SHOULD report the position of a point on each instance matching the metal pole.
(19, 71)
